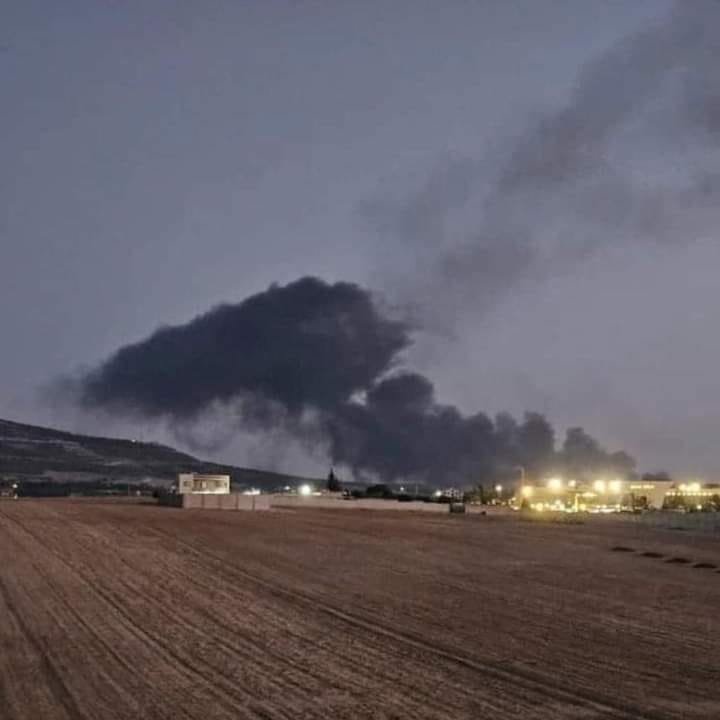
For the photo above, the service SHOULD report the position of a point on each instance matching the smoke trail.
(632, 158)
(323, 363)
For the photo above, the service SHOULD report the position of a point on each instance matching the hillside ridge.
(37, 452)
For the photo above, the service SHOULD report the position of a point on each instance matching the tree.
(333, 484)
(379, 491)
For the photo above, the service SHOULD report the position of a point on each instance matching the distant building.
(615, 495)
(694, 496)
(197, 484)
(651, 493)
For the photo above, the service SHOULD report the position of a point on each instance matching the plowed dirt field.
(129, 611)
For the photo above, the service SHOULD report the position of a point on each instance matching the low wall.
(231, 501)
(169, 500)
(330, 503)
(705, 522)
(236, 501)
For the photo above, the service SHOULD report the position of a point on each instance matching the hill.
(29, 452)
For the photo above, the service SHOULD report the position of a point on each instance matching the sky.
(534, 179)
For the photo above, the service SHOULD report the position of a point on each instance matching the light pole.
(522, 479)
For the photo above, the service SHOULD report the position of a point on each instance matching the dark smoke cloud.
(633, 157)
(305, 344)
(321, 362)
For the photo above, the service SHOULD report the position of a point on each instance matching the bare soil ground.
(123, 611)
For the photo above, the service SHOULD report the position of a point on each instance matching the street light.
(555, 484)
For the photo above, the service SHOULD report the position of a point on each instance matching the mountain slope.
(29, 451)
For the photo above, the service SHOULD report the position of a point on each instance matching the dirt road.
(121, 611)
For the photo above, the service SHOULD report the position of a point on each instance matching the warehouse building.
(615, 495)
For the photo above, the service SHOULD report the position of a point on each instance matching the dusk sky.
(537, 180)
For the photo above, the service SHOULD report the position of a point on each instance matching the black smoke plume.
(308, 344)
(325, 363)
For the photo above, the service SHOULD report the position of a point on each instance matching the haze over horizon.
(536, 182)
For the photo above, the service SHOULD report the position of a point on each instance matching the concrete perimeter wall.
(236, 501)
(330, 503)
(232, 501)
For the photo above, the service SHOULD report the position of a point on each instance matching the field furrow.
(131, 611)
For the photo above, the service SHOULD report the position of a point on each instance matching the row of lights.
(556, 485)
(553, 484)
(690, 487)
(601, 486)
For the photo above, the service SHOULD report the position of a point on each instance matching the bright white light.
(305, 490)
(555, 484)
(615, 486)
(527, 491)
(572, 483)
(498, 489)
(600, 486)
(438, 493)
(694, 487)
(251, 491)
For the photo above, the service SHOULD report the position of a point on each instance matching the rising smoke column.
(320, 361)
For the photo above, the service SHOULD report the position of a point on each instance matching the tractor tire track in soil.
(232, 699)
(537, 683)
(217, 641)
(49, 673)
